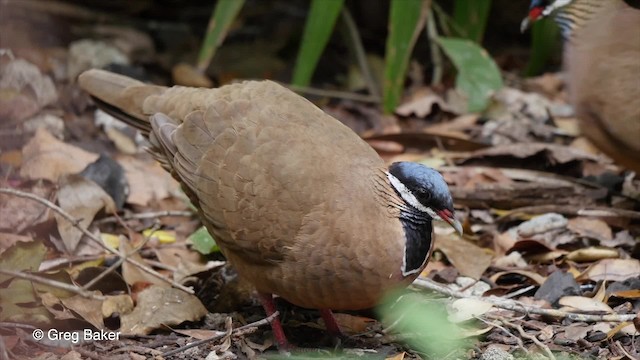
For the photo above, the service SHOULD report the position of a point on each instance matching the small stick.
(92, 237)
(237, 331)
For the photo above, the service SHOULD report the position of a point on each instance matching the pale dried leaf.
(45, 157)
(158, 307)
(470, 259)
(82, 199)
(613, 270)
(466, 309)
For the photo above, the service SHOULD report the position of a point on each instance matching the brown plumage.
(602, 58)
(297, 202)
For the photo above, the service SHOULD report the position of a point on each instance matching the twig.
(535, 340)
(517, 306)
(5, 324)
(146, 215)
(52, 283)
(109, 270)
(333, 93)
(517, 339)
(361, 57)
(236, 331)
(92, 237)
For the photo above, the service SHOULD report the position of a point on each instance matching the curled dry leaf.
(158, 307)
(585, 304)
(82, 199)
(592, 253)
(613, 270)
(592, 228)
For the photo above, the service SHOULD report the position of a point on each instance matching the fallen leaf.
(45, 157)
(352, 324)
(147, 180)
(7, 240)
(592, 228)
(592, 253)
(117, 304)
(612, 270)
(89, 309)
(585, 304)
(466, 309)
(82, 199)
(18, 213)
(470, 259)
(200, 334)
(158, 307)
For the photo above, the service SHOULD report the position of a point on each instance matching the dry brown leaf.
(82, 199)
(158, 307)
(422, 105)
(45, 157)
(89, 309)
(147, 180)
(17, 213)
(133, 275)
(397, 356)
(592, 228)
(576, 331)
(470, 259)
(612, 270)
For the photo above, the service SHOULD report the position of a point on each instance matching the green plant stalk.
(317, 31)
(406, 20)
(544, 40)
(471, 17)
(221, 19)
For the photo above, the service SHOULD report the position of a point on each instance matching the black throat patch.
(418, 241)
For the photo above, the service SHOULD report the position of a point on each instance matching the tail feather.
(120, 96)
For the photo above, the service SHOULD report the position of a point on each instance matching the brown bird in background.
(297, 202)
(602, 58)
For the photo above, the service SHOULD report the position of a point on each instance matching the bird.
(602, 61)
(297, 202)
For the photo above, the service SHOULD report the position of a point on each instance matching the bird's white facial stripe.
(556, 5)
(408, 196)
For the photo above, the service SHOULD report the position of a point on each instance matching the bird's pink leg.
(330, 323)
(270, 307)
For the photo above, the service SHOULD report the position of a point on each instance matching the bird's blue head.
(424, 189)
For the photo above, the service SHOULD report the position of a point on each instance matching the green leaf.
(203, 242)
(317, 31)
(544, 43)
(425, 320)
(478, 75)
(406, 20)
(221, 19)
(471, 17)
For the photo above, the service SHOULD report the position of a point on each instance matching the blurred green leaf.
(221, 19)
(406, 20)
(544, 43)
(203, 242)
(471, 17)
(422, 323)
(478, 75)
(317, 31)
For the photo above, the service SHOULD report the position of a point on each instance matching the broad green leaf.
(471, 17)
(478, 75)
(544, 43)
(317, 31)
(425, 320)
(203, 242)
(406, 20)
(221, 19)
